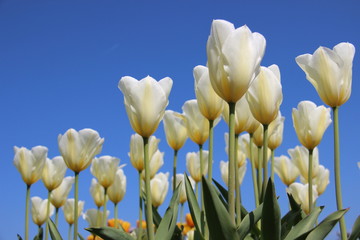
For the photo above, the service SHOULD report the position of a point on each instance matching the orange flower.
(91, 237)
(189, 220)
(143, 225)
(125, 225)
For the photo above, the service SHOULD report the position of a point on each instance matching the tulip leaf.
(326, 225)
(19, 237)
(39, 236)
(193, 206)
(271, 216)
(249, 221)
(355, 232)
(54, 233)
(289, 221)
(217, 216)
(167, 225)
(293, 204)
(304, 225)
(222, 190)
(109, 233)
(81, 237)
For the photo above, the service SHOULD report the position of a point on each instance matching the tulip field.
(255, 141)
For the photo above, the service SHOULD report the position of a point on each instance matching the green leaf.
(168, 223)
(326, 225)
(54, 233)
(218, 219)
(289, 221)
(81, 237)
(193, 205)
(304, 225)
(39, 236)
(109, 233)
(223, 191)
(271, 216)
(19, 237)
(249, 221)
(355, 232)
(293, 204)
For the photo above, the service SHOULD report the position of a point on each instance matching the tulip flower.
(59, 195)
(68, 210)
(97, 193)
(156, 162)
(137, 150)
(286, 169)
(117, 190)
(180, 178)
(38, 210)
(145, 102)
(175, 129)
(193, 165)
(275, 137)
(224, 168)
(310, 123)
(321, 180)
(300, 193)
(330, 72)
(30, 164)
(159, 188)
(240, 154)
(92, 216)
(299, 156)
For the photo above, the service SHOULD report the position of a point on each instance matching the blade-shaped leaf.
(249, 221)
(289, 221)
(39, 236)
(293, 204)
(326, 225)
(109, 233)
(355, 232)
(168, 223)
(271, 216)
(218, 219)
(304, 225)
(54, 233)
(81, 237)
(19, 237)
(193, 205)
(223, 191)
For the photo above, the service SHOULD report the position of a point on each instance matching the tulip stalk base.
(47, 216)
(104, 212)
(253, 171)
(140, 208)
(337, 171)
(237, 185)
(76, 206)
(116, 215)
(27, 212)
(69, 232)
(174, 170)
(259, 174)
(231, 180)
(211, 145)
(57, 217)
(272, 165)
(264, 160)
(310, 180)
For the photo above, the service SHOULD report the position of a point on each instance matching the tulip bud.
(276, 129)
(259, 136)
(180, 178)
(104, 169)
(286, 169)
(240, 155)
(38, 210)
(68, 210)
(59, 194)
(159, 186)
(156, 162)
(310, 123)
(53, 172)
(145, 102)
(97, 192)
(330, 72)
(137, 150)
(175, 129)
(79, 148)
(321, 179)
(300, 157)
(224, 169)
(117, 190)
(234, 57)
(94, 216)
(193, 164)
(30, 163)
(300, 193)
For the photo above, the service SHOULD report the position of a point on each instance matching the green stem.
(69, 232)
(116, 215)
(231, 176)
(201, 172)
(56, 217)
(337, 171)
(182, 213)
(174, 169)
(197, 191)
(27, 200)
(237, 184)
(272, 164)
(98, 220)
(253, 171)
(265, 165)
(76, 205)
(310, 180)
(259, 172)
(47, 216)
(139, 235)
(211, 145)
(149, 213)
(105, 201)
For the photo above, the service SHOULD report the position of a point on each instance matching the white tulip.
(180, 178)
(136, 153)
(286, 169)
(59, 194)
(193, 164)
(38, 210)
(104, 169)
(68, 210)
(175, 129)
(53, 172)
(156, 162)
(97, 192)
(94, 216)
(300, 157)
(321, 179)
(300, 192)
(117, 190)
(159, 186)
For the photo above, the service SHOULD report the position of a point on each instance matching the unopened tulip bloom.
(300, 157)
(310, 123)
(38, 210)
(330, 72)
(197, 125)
(53, 172)
(234, 57)
(30, 163)
(145, 102)
(286, 169)
(156, 162)
(224, 169)
(104, 169)
(321, 180)
(117, 190)
(97, 193)
(180, 178)
(210, 104)
(68, 210)
(175, 129)
(92, 216)
(136, 153)
(300, 193)
(159, 188)
(265, 95)
(244, 120)
(59, 194)
(276, 129)
(193, 164)
(240, 154)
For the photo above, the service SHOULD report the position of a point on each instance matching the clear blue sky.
(60, 63)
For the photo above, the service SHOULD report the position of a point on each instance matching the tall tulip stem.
(272, 165)
(69, 232)
(260, 179)
(182, 213)
(253, 171)
(139, 235)
(76, 206)
(237, 184)
(264, 159)
(27, 212)
(201, 172)
(337, 170)
(116, 215)
(174, 169)
(149, 213)
(57, 217)
(211, 145)
(105, 201)
(231, 180)
(47, 216)
(310, 180)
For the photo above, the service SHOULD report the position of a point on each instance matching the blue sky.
(60, 63)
